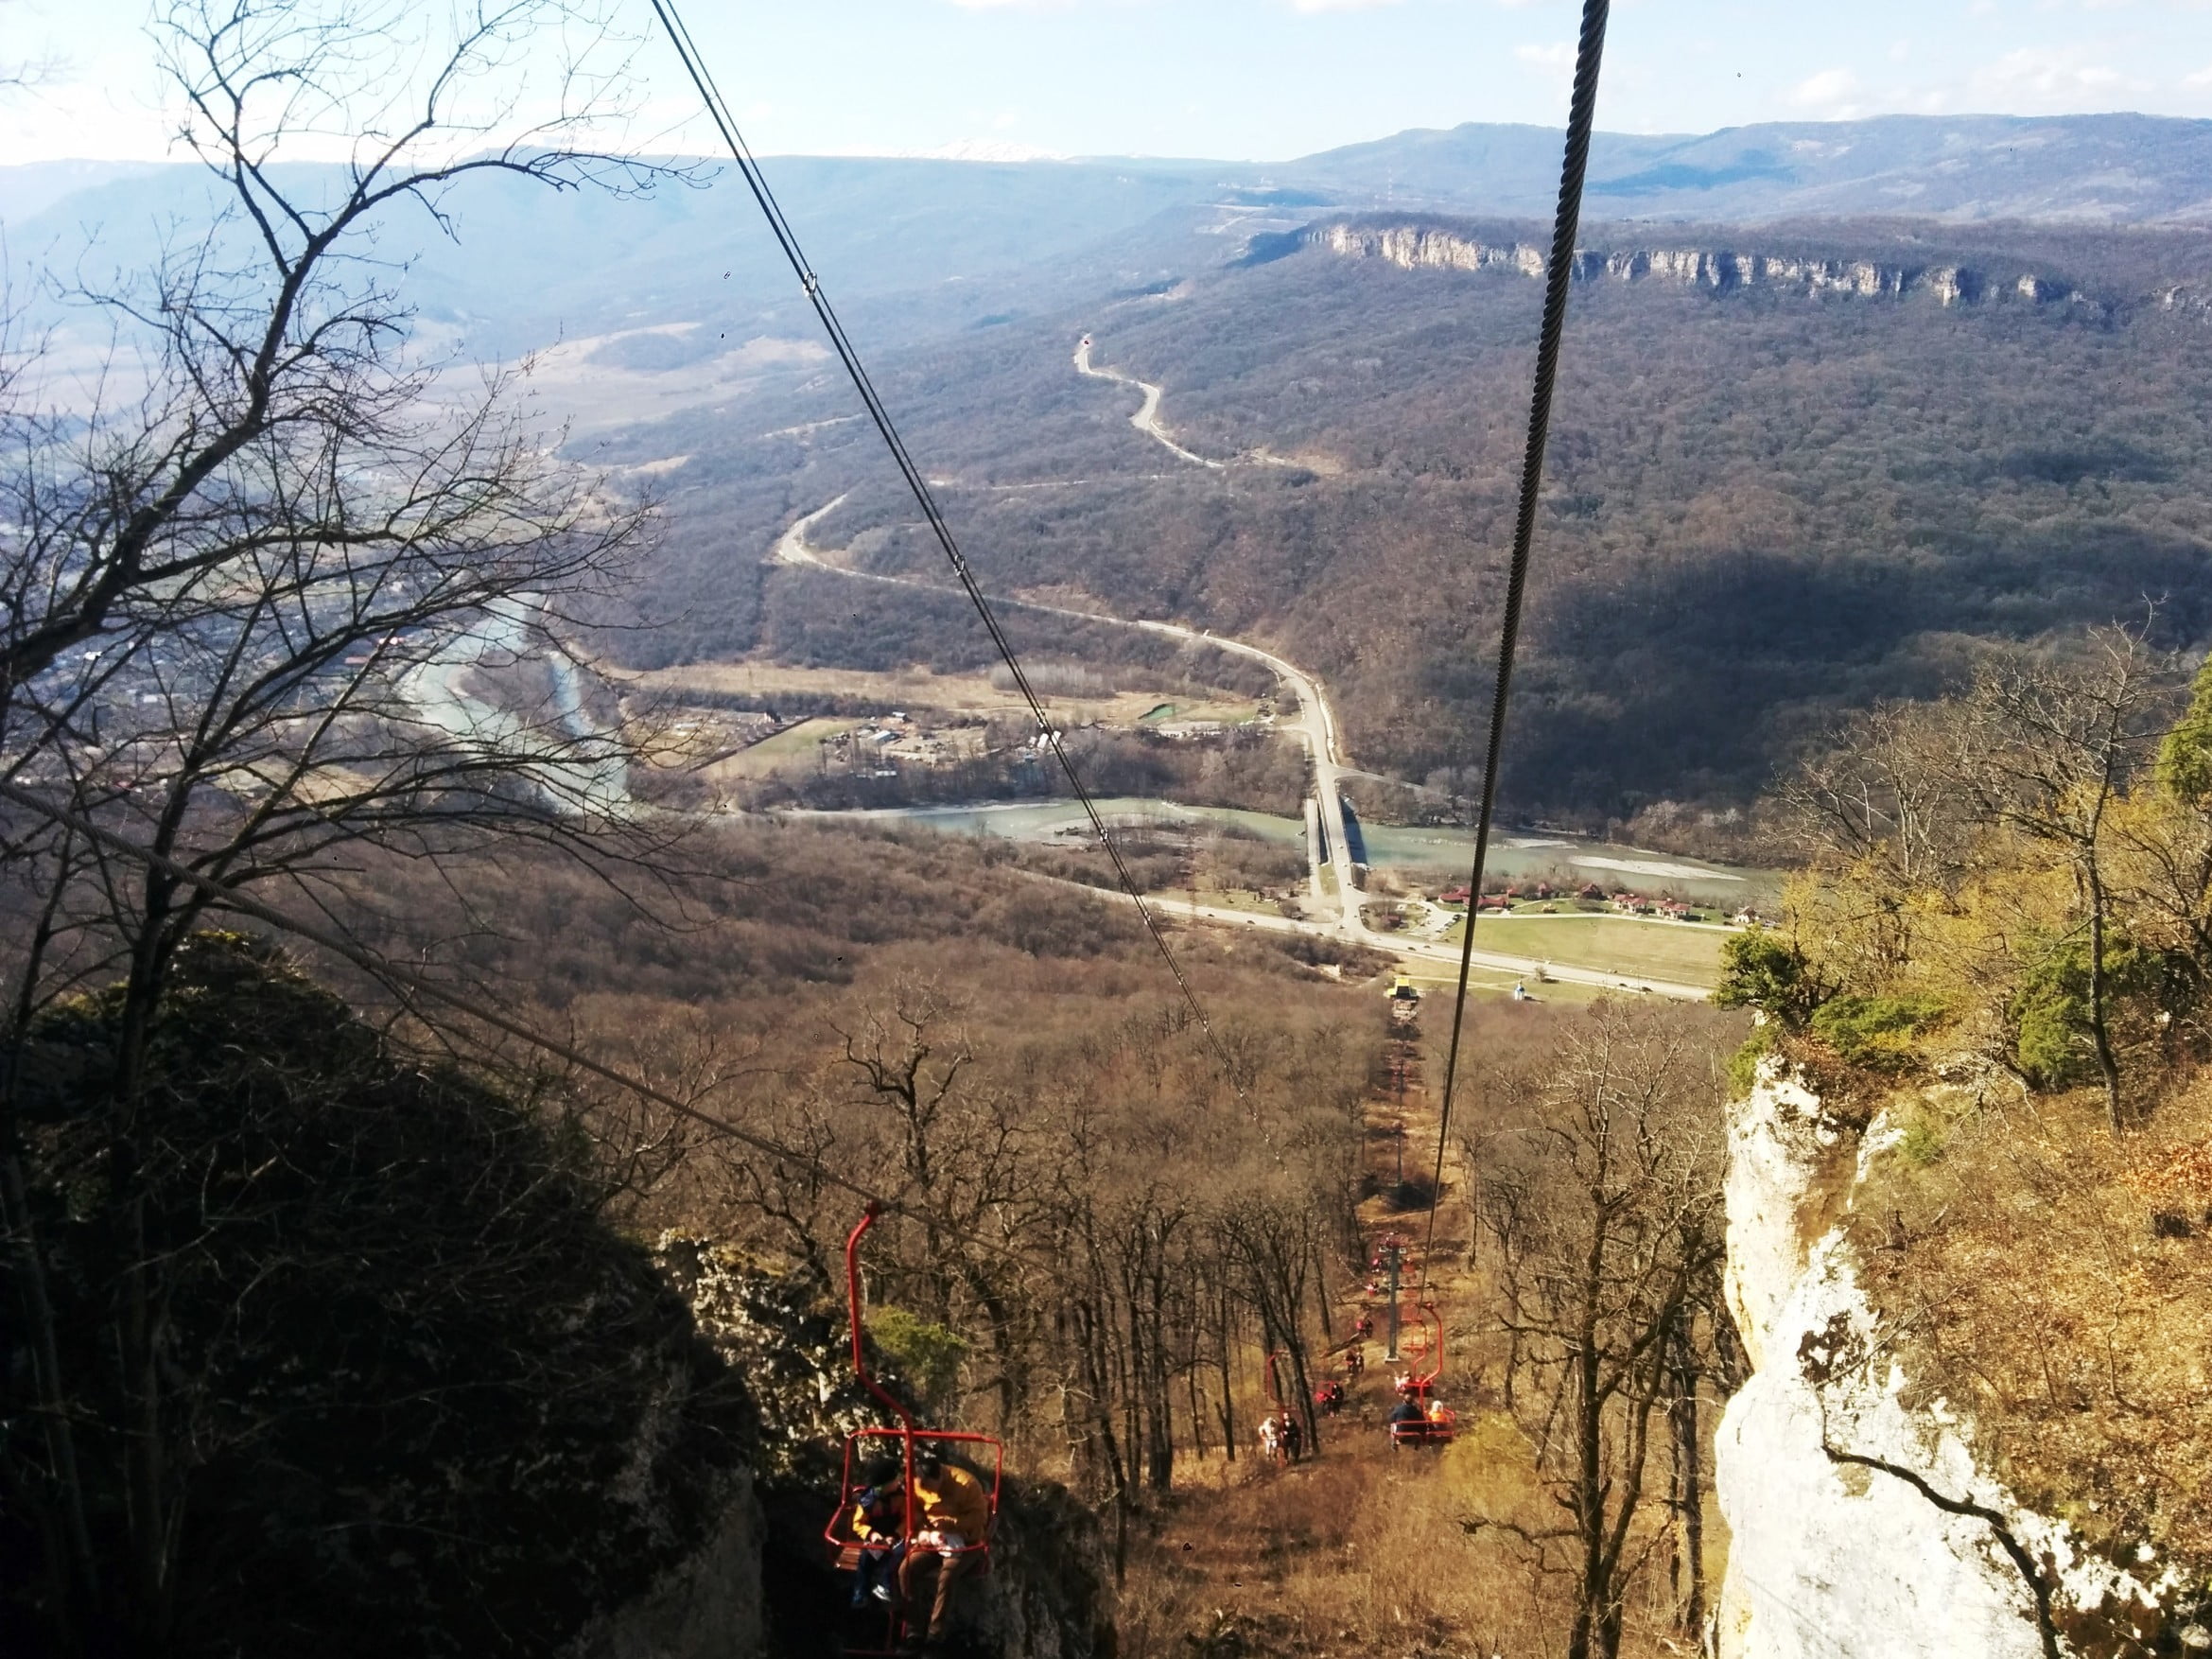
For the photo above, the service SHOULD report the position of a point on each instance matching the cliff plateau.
(1421, 243)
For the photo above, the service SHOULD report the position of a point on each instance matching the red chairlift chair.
(862, 1446)
(1438, 1425)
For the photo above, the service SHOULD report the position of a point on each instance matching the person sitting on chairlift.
(953, 1512)
(878, 1521)
(1407, 1415)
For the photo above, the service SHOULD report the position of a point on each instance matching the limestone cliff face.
(1860, 1525)
(1432, 244)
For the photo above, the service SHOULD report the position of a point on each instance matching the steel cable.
(694, 65)
(1581, 117)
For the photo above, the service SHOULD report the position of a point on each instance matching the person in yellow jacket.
(952, 1519)
(877, 1525)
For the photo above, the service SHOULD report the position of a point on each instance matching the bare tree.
(1600, 1186)
(26, 74)
(2048, 750)
(1882, 812)
(251, 608)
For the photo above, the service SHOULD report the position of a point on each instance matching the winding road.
(1315, 726)
(1146, 419)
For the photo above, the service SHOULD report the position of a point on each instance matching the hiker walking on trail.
(1271, 1438)
(953, 1513)
(1293, 1438)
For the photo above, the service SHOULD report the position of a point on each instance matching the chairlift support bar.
(1433, 1317)
(860, 1354)
(1395, 1252)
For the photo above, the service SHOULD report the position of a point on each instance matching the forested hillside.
(437, 1099)
(1765, 505)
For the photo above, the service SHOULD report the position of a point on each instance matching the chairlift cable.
(1581, 117)
(717, 109)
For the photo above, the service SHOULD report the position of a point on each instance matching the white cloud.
(1831, 92)
(1552, 55)
(2201, 78)
(2046, 75)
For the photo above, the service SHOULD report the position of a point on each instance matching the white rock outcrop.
(1834, 1490)
(1425, 244)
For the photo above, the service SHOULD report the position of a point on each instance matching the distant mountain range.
(921, 247)
(2096, 170)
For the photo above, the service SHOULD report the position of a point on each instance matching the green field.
(1496, 982)
(1615, 944)
(797, 742)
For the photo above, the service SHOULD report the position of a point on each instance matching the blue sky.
(1259, 80)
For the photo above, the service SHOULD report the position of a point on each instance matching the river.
(577, 767)
(1448, 852)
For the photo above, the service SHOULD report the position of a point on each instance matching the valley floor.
(1334, 903)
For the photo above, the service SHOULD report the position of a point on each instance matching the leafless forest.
(411, 1098)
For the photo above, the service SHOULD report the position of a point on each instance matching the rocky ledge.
(1863, 1520)
(1420, 243)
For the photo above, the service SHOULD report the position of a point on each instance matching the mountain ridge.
(2095, 170)
(926, 248)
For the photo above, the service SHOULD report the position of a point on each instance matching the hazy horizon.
(1253, 81)
(987, 152)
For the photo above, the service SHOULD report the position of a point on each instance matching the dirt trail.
(1337, 1557)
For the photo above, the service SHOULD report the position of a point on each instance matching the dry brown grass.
(2012, 1245)
(1356, 1552)
(1364, 1553)
(971, 694)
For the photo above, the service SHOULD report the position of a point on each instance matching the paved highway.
(1315, 726)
